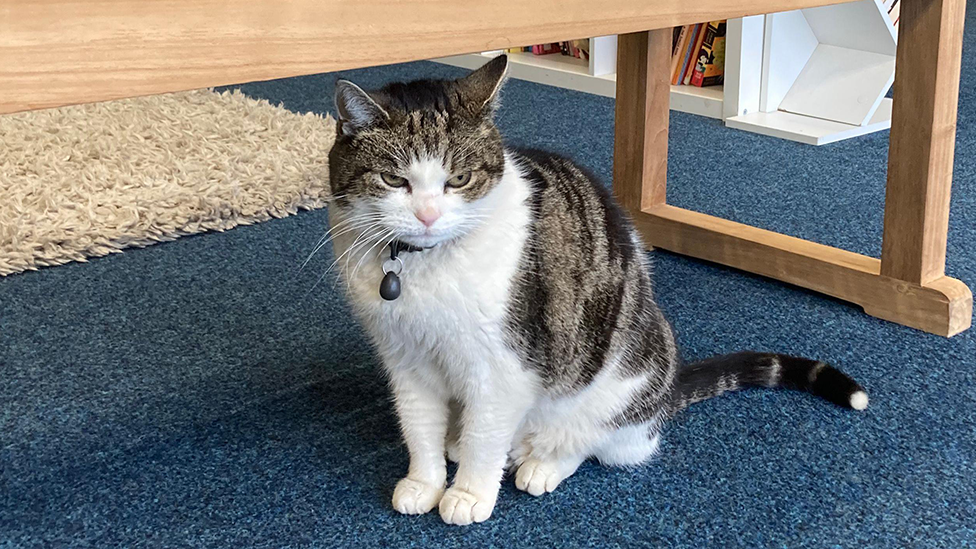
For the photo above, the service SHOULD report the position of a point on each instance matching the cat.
(523, 332)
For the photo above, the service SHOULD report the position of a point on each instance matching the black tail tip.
(836, 386)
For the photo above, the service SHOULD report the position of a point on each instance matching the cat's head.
(415, 160)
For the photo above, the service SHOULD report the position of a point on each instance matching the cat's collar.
(398, 246)
(390, 286)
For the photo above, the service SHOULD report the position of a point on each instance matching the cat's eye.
(394, 181)
(459, 180)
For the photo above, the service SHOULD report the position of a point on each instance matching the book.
(895, 12)
(676, 57)
(687, 55)
(545, 49)
(582, 49)
(710, 59)
(697, 47)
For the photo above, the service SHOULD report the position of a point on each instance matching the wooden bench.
(59, 52)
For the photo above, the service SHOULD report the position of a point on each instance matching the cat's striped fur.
(526, 334)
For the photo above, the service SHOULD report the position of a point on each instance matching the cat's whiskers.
(380, 240)
(351, 248)
(361, 239)
(370, 240)
(322, 241)
(375, 227)
(389, 241)
(473, 220)
(358, 224)
(346, 226)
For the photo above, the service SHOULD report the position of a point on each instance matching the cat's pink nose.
(428, 216)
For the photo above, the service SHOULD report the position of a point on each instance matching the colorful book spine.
(676, 57)
(694, 51)
(710, 59)
(545, 49)
(687, 55)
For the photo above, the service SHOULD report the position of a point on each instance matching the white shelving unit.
(815, 76)
(825, 73)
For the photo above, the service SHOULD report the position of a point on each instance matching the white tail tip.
(859, 400)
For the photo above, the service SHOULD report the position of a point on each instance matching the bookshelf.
(814, 76)
(596, 76)
(554, 69)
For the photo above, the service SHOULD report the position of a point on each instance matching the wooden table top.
(58, 52)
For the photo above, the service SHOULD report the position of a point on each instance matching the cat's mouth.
(432, 236)
(424, 240)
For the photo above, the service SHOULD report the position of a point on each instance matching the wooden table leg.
(908, 286)
(640, 153)
(923, 136)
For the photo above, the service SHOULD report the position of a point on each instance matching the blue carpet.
(196, 393)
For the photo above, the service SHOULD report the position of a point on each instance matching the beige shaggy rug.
(90, 180)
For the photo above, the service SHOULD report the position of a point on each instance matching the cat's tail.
(714, 376)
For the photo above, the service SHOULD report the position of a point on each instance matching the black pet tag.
(390, 286)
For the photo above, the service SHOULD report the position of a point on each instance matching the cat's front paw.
(412, 497)
(538, 477)
(462, 507)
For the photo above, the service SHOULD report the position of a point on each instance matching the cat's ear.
(481, 86)
(357, 110)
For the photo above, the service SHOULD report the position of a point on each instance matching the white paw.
(538, 477)
(413, 497)
(462, 507)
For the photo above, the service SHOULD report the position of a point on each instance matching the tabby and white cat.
(525, 334)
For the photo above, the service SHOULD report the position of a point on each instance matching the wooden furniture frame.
(59, 52)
